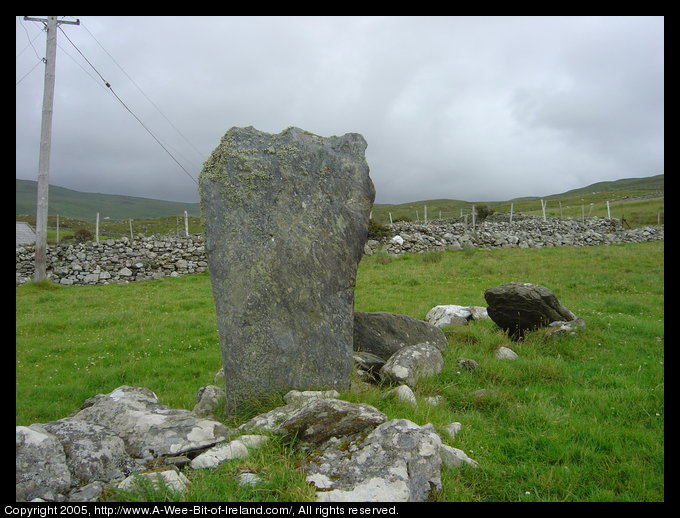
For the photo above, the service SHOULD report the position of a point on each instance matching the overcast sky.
(471, 108)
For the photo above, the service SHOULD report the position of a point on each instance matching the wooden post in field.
(57, 228)
(131, 229)
(186, 224)
(543, 204)
(512, 206)
(96, 229)
(609, 214)
(425, 214)
(390, 217)
(417, 216)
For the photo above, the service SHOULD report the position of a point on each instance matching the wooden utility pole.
(51, 24)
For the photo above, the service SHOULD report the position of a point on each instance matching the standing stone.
(286, 221)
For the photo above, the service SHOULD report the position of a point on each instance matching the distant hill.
(85, 205)
(627, 188)
(651, 183)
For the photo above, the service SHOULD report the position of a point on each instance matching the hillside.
(618, 191)
(85, 205)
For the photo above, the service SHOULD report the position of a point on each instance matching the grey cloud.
(476, 108)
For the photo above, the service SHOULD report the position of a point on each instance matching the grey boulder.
(383, 334)
(411, 363)
(518, 307)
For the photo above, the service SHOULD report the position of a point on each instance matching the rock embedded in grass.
(519, 307)
(411, 363)
(383, 334)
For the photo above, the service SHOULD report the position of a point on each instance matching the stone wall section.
(498, 232)
(116, 261)
(124, 260)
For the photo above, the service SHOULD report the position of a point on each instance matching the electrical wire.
(30, 44)
(200, 155)
(26, 74)
(108, 85)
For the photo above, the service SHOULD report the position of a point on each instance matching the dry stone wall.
(155, 257)
(524, 232)
(116, 261)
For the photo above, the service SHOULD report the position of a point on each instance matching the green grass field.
(580, 419)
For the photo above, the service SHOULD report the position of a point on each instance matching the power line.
(143, 93)
(30, 42)
(108, 85)
(26, 74)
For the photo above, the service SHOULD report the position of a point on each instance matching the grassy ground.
(581, 419)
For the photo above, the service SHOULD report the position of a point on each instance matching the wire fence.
(609, 209)
(62, 230)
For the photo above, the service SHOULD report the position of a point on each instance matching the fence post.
(390, 217)
(512, 206)
(186, 224)
(543, 204)
(97, 229)
(132, 238)
(57, 228)
(426, 214)
(609, 214)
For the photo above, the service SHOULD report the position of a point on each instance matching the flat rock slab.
(41, 469)
(148, 428)
(92, 451)
(286, 221)
(452, 315)
(398, 461)
(317, 420)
